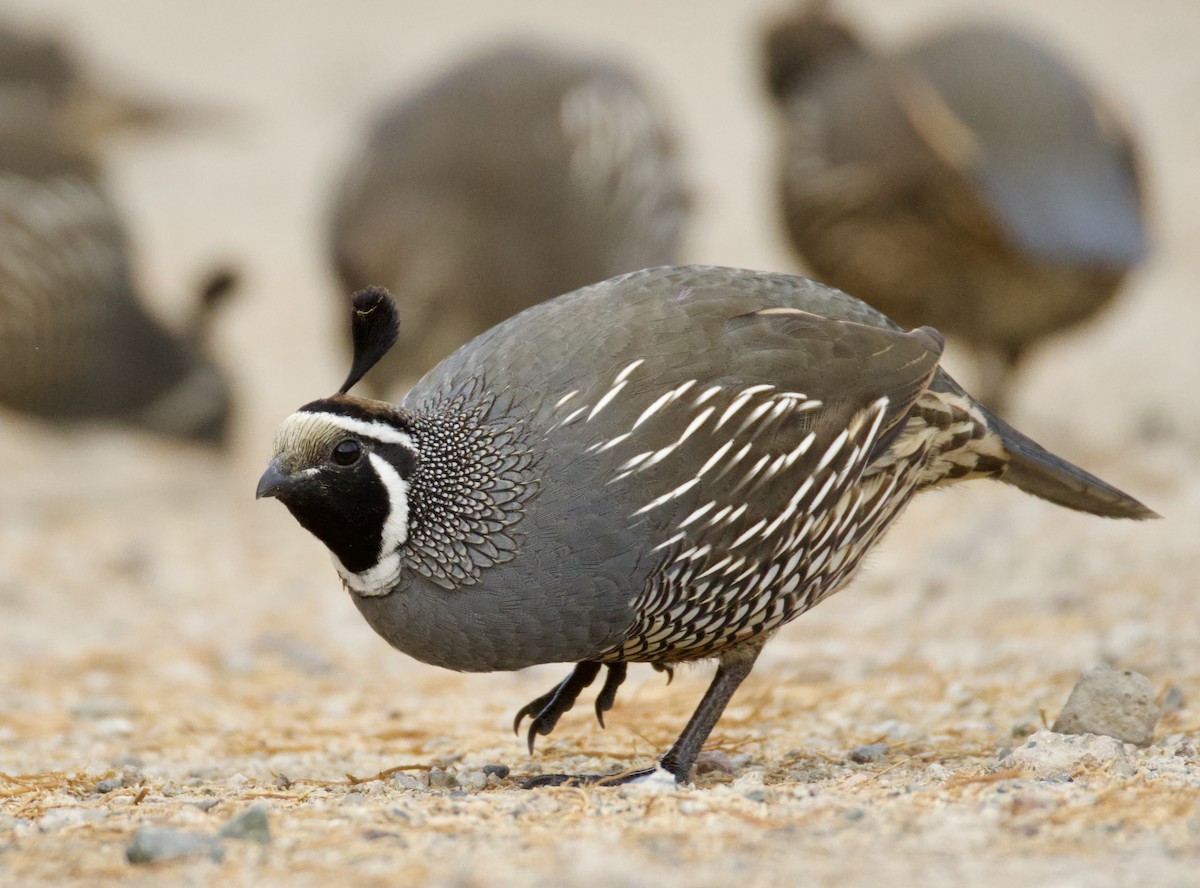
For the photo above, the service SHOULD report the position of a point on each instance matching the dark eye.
(347, 452)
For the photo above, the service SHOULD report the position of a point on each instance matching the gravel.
(875, 752)
(152, 844)
(252, 825)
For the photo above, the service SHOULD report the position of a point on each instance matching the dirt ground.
(165, 637)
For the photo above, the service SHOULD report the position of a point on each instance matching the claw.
(608, 694)
(533, 708)
(548, 708)
(663, 667)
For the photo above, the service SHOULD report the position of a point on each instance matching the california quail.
(517, 175)
(75, 343)
(971, 181)
(663, 467)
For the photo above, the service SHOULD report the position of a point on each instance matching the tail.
(1036, 470)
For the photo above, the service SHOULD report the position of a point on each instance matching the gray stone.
(401, 780)
(472, 781)
(1114, 702)
(155, 843)
(109, 784)
(60, 818)
(252, 825)
(500, 771)
(1050, 756)
(872, 753)
(439, 779)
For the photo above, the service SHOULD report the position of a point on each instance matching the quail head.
(971, 180)
(660, 468)
(519, 174)
(75, 342)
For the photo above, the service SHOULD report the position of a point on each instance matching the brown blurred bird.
(75, 342)
(519, 174)
(971, 181)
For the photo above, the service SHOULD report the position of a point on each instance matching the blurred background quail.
(970, 180)
(519, 174)
(75, 342)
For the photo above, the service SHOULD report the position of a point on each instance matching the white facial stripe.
(381, 577)
(380, 431)
(395, 529)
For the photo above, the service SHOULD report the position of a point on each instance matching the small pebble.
(660, 781)
(713, 761)
(154, 843)
(205, 804)
(1172, 699)
(109, 784)
(854, 814)
(472, 781)
(500, 771)
(865, 754)
(252, 825)
(1114, 702)
(408, 781)
(439, 779)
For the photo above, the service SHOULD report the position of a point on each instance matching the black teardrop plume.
(375, 324)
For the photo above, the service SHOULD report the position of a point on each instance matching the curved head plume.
(374, 324)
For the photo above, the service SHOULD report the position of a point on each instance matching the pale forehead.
(312, 434)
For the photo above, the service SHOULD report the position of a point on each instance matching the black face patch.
(346, 509)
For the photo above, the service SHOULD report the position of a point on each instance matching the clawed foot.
(547, 709)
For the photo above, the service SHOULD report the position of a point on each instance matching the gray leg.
(678, 760)
(732, 671)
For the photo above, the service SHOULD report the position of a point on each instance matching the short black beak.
(274, 481)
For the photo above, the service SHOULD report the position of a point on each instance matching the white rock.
(1047, 754)
(658, 782)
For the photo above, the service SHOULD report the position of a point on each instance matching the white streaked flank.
(607, 399)
(624, 374)
(568, 396)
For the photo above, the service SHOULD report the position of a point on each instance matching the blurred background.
(140, 570)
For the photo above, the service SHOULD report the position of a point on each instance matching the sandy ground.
(158, 623)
